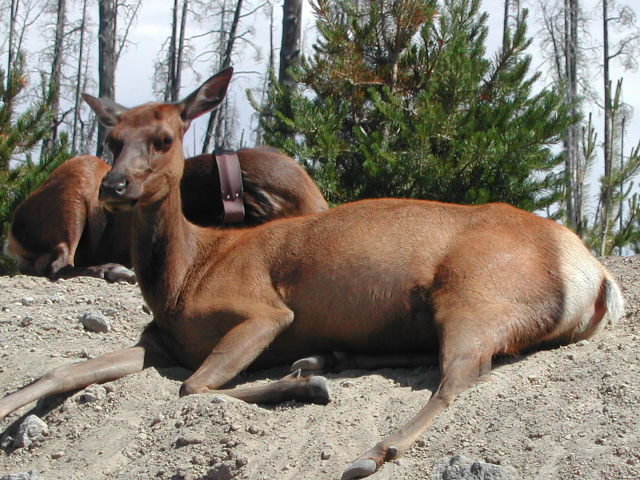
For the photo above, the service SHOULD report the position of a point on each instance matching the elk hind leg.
(295, 386)
(464, 360)
(340, 361)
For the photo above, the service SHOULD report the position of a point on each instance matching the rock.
(189, 440)
(30, 430)
(27, 301)
(95, 322)
(25, 322)
(6, 441)
(30, 475)
(92, 393)
(221, 472)
(459, 467)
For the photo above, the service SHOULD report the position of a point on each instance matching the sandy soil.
(569, 413)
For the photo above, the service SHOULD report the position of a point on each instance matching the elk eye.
(115, 146)
(163, 144)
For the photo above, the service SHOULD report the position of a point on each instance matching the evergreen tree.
(20, 133)
(400, 99)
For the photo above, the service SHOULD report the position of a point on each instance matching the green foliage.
(400, 99)
(20, 133)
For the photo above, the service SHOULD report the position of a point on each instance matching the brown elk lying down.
(61, 230)
(381, 277)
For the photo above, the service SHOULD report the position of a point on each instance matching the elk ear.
(207, 97)
(107, 111)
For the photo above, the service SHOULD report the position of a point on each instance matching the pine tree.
(400, 99)
(20, 133)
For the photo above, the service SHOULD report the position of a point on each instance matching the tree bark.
(290, 44)
(10, 54)
(178, 51)
(106, 58)
(79, 75)
(571, 141)
(56, 72)
(606, 190)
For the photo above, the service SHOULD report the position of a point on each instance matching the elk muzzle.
(118, 192)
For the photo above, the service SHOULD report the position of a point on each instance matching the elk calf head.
(146, 143)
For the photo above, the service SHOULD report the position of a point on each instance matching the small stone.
(25, 322)
(30, 475)
(325, 455)
(93, 393)
(221, 472)
(156, 420)
(30, 430)
(347, 384)
(6, 442)
(57, 455)
(189, 440)
(253, 429)
(241, 462)
(27, 301)
(95, 322)
(235, 427)
(458, 467)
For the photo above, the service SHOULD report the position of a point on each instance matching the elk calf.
(62, 230)
(377, 277)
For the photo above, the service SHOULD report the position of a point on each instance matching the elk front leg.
(102, 369)
(237, 350)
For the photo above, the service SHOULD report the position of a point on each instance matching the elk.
(382, 280)
(62, 230)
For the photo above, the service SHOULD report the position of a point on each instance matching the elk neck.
(166, 248)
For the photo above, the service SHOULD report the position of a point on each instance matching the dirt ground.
(569, 413)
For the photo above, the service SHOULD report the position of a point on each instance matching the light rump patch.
(587, 287)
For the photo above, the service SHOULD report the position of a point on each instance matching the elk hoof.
(359, 469)
(319, 390)
(315, 362)
(118, 273)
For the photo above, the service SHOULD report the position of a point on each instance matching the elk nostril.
(121, 187)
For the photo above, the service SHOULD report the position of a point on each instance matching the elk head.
(146, 142)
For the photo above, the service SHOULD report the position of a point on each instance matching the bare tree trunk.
(79, 74)
(215, 123)
(12, 30)
(106, 58)
(606, 191)
(171, 63)
(177, 78)
(571, 140)
(267, 79)
(290, 45)
(56, 74)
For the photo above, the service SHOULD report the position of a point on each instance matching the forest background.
(468, 101)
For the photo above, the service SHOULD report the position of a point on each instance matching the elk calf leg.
(340, 361)
(113, 272)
